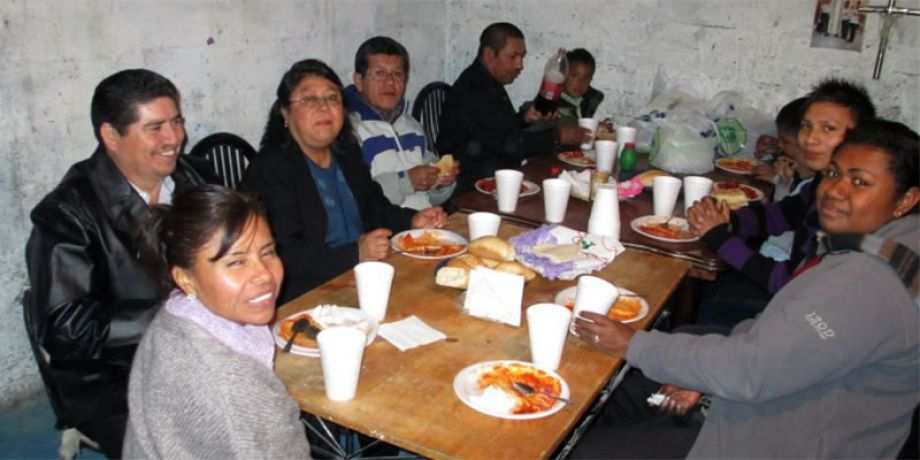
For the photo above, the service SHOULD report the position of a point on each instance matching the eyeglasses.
(315, 102)
(382, 75)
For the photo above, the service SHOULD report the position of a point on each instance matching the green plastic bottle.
(628, 161)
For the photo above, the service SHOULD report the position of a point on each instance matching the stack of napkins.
(581, 184)
(559, 252)
(495, 295)
(409, 333)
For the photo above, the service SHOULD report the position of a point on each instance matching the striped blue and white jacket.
(390, 150)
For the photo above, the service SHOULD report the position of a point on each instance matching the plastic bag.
(685, 143)
(669, 100)
(740, 124)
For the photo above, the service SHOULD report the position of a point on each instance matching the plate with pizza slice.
(629, 307)
(675, 230)
(487, 185)
(577, 158)
(431, 244)
(487, 387)
(322, 317)
(737, 165)
(750, 193)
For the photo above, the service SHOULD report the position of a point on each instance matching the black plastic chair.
(71, 438)
(228, 154)
(427, 110)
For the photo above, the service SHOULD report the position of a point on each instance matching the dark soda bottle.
(547, 100)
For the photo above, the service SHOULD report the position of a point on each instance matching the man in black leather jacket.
(479, 124)
(91, 298)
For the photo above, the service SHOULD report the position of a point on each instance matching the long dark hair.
(175, 234)
(276, 135)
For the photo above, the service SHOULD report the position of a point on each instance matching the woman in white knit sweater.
(202, 384)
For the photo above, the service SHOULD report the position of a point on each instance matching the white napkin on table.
(495, 295)
(409, 333)
(581, 182)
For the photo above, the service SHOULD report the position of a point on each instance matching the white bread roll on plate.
(492, 247)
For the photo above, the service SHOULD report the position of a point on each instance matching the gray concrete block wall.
(226, 56)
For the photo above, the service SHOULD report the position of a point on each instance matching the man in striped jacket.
(392, 142)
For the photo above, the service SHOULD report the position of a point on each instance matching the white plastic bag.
(685, 143)
(740, 124)
(658, 109)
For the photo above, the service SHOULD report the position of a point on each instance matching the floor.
(27, 432)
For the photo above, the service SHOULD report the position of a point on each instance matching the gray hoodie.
(831, 368)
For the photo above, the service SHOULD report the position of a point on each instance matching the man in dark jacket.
(91, 299)
(478, 122)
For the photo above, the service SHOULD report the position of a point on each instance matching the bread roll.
(492, 247)
(517, 269)
(466, 262)
(445, 165)
(452, 277)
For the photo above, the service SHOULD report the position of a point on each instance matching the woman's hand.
(706, 214)
(606, 334)
(679, 400)
(423, 177)
(374, 245)
(429, 218)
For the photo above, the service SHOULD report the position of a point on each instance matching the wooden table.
(407, 398)
(706, 263)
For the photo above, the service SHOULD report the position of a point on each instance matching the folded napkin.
(409, 333)
(575, 253)
(581, 184)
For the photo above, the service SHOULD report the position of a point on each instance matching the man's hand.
(429, 218)
(706, 214)
(766, 146)
(374, 245)
(764, 172)
(533, 115)
(785, 167)
(678, 400)
(450, 177)
(604, 333)
(423, 177)
(574, 134)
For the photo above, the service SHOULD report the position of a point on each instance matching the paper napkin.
(409, 333)
(495, 295)
(581, 181)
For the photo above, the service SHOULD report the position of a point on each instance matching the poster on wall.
(838, 24)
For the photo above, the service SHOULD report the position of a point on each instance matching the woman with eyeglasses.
(326, 211)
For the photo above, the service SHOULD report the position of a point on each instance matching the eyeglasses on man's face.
(384, 75)
(315, 102)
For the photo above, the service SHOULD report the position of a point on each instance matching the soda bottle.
(628, 161)
(547, 100)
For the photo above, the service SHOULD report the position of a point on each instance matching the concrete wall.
(227, 56)
(761, 48)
